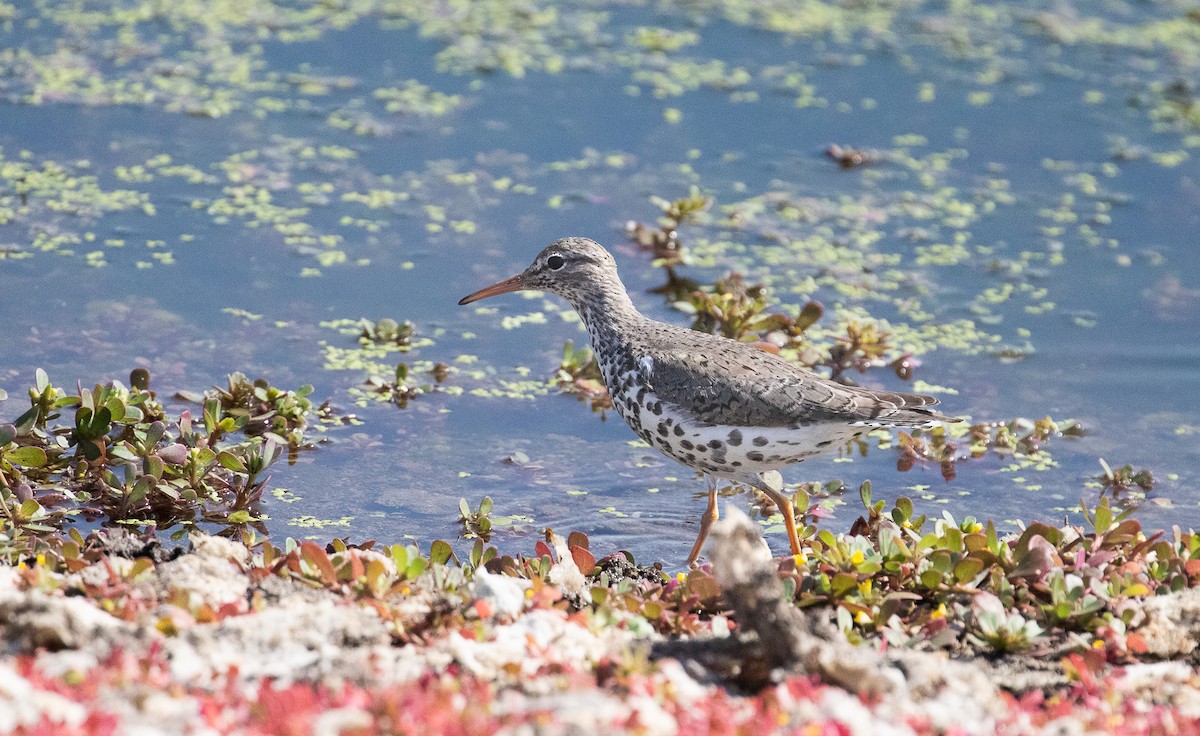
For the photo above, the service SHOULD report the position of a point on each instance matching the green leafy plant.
(399, 390)
(663, 239)
(1125, 478)
(579, 374)
(387, 331)
(738, 310)
(477, 522)
(862, 346)
(118, 459)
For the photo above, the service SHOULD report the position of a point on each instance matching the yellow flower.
(864, 587)
(939, 612)
(857, 557)
(801, 559)
(862, 617)
(1098, 644)
(680, 577)
(976, 528)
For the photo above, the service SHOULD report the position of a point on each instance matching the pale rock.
(505, 594)
(34, 619)
(213, 574)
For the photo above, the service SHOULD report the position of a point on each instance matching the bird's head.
(577, 269)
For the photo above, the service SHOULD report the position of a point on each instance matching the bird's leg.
(771, 483)
(706, 521)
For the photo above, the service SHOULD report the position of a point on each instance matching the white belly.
(723, 450)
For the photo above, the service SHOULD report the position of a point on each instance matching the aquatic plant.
(476, 522)
(400, 390)
(738, 310)
(387, 331)
(579, 374)
(663, 240)
(119, 458)
(1125, 478)
(862, 346)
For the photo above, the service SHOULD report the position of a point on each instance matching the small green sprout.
(477, 523)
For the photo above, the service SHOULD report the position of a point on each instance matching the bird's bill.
(516, 283)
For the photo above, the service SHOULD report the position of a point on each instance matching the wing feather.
(740, 386)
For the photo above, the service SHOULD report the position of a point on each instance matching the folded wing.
(743, 388)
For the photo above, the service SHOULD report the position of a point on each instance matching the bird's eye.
(555, 262)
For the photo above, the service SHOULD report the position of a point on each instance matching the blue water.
(1132, 376)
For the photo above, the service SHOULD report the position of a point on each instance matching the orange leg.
(706, 521)
(785, 506)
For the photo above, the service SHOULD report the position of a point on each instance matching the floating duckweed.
(307, 521)
(414, 98)
(662, 39)
(1169, 159)
(283, 495)
(512, 322)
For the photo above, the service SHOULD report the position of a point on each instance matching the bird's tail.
(892, 409)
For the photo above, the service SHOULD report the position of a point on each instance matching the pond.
(201, 190)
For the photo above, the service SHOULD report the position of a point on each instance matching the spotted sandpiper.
(723, 407)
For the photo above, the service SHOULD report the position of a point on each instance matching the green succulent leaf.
(27, 457)
(231, 462)
(440, 551)
(121, 451)
(29, 509)
(26, 421)
(967, 569)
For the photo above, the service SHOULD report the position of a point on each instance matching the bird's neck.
(607, 314)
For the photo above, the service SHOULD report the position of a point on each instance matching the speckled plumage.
(717, 405)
